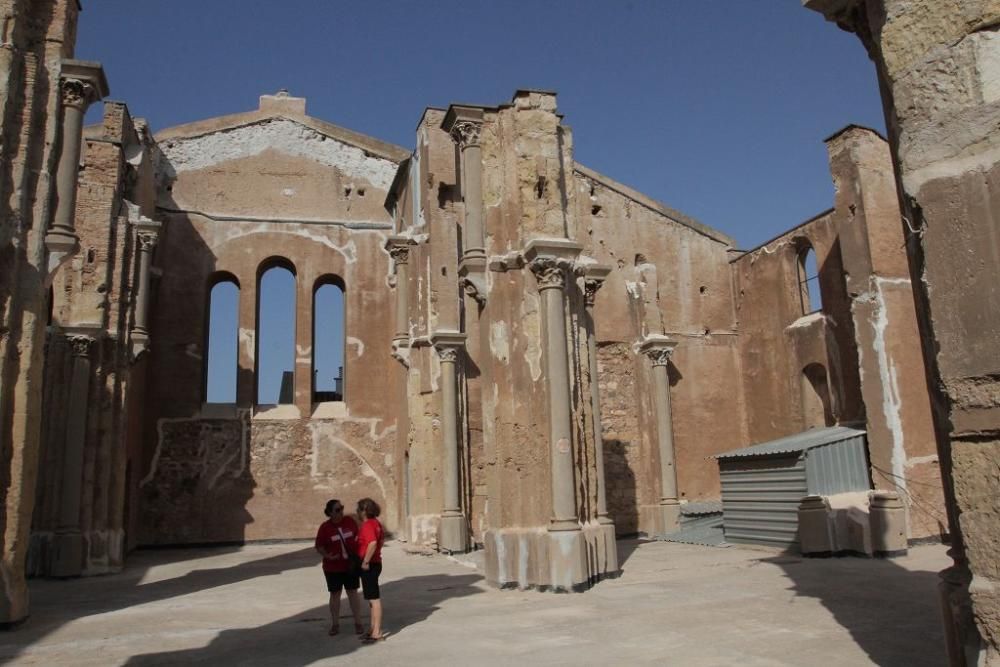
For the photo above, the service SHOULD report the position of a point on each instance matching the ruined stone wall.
(236, 193)
(894, 388)
(669, 275)
(38, 35)
(778, 341)
(94, 295)
(938, 68)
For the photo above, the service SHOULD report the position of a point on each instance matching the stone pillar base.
(453, 534)
(668, 518)
(561, 561)
(67, 554)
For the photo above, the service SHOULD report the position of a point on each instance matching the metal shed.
(763, 484)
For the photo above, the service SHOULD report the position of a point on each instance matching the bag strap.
(343, 549)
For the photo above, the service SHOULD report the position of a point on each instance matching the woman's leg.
(376, 631)
(335, 612)
(354, 599)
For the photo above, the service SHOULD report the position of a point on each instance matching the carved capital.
(660, 356)
(400, 254)
(466, 133)
(77, 93)
(447, 353)
(80, 344)
(471, 286)
(590, 287)
(550, 272)
(148, 241)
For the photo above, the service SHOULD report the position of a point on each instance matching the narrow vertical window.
(328, 340)
(808, 271)
(276, 334)
(222, 358)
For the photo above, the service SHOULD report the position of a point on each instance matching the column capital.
(80, 344)
(82, 83)
(464, 124)
(594, 276)
(550, 272)
(148, 240)
(399, 248)
(550, 260)
(448, 344)
(658, 348)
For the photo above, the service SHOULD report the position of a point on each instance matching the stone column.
(465, 125)
(453, 535)
(147, 237)
(399, 250)
(593, 277)
(550, 261)
(659, 349)
(81, 84)
(67, 557)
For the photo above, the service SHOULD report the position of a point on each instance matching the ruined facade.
(938, 66)
(536, 358)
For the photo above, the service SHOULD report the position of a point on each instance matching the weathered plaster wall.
(778, 341)
(669, 274)
(236, 193)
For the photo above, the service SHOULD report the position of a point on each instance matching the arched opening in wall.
(808, 275)
(816, 408)
(222, 357)
(275, 372)
(328, 340)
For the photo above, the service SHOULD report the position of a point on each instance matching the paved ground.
(674, 604)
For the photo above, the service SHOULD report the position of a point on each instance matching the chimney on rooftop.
(283, 102)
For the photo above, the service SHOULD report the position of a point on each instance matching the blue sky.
(717, 108)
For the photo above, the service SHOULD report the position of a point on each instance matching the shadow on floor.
(627, 547)
(88, 596)
(302, 640)
(892, 613)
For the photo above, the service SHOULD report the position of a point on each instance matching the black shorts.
(337, 580)
(369, 581)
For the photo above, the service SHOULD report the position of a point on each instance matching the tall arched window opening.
(222, 359)
(808, 270)
(328, 340)
(276, 333)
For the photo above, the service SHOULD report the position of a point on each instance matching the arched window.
(222, 360)
(276, 333)
(328, 340)
(808, 273)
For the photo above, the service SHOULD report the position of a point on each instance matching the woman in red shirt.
(370, 538)
(336, 540)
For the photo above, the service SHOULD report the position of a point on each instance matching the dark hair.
(369, 507)
(330, 504)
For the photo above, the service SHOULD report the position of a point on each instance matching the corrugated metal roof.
(814, 437)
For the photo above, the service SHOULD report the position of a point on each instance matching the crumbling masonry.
(537, 359)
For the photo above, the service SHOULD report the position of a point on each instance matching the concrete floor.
(674, 604)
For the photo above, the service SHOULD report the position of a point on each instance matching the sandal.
(334, 630)
(360, 630)
(369, 639)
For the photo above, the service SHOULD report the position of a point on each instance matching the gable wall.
(233, 199)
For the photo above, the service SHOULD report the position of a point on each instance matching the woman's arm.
(369, 552)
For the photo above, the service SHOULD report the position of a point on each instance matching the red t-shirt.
(371, 531)
(328, 537)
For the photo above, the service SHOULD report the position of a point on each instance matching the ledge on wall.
(329, 410)
(284, 411)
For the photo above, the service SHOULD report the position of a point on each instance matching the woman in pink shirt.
(370, 538)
